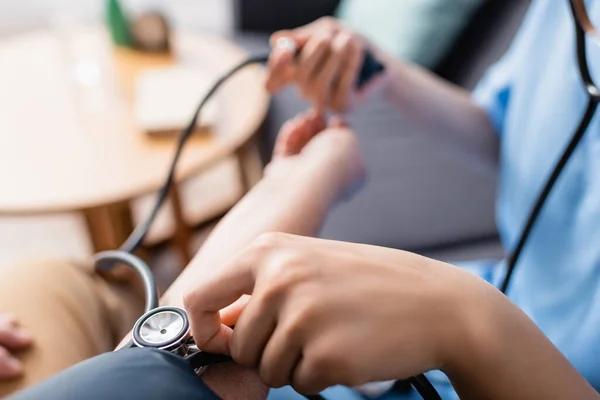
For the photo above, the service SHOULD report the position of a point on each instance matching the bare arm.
(508, 357)
(440, 108)
(425, 315)
(294, 197)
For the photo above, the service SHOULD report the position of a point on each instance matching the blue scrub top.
(535, 98)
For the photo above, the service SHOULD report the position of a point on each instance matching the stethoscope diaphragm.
(164, 328)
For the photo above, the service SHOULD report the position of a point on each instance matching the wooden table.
(69, 142)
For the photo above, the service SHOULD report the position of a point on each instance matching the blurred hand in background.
(327, 68)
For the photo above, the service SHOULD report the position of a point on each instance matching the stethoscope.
(168, 328)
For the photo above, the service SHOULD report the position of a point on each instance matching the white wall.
(20, 15)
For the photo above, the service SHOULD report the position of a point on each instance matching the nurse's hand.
(327, 68)
(324, 313)
(12, 338)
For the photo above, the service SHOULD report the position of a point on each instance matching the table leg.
(183, 233)
(109, 225)
(250, 165)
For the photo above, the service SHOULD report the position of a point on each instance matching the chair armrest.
(272, 15)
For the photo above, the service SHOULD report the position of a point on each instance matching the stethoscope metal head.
(164, 328)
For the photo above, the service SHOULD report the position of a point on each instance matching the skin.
(312, 170)
(321, 299)
(314, 302)
(12, 338)
(327, 68)
(495, 354)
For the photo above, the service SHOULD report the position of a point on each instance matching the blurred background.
(209, 15)
(421, 195)
(54, 235)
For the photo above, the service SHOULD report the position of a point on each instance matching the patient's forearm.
(294, 197)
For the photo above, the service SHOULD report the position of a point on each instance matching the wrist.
(479, 315)
(316, 172)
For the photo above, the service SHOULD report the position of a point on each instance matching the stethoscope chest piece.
(164, 328)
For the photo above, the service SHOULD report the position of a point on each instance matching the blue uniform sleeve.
(126, 374)
(493, 92)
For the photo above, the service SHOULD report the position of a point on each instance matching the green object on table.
(118, 24)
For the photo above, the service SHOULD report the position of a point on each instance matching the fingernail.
(286, 44)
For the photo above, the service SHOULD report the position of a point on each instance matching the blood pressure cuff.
(126, 374)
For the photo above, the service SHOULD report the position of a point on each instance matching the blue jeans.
(124, 375)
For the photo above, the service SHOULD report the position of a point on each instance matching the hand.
(334, 146)
(333, 149)
(327, 69)
(325, 313)
(12, 338)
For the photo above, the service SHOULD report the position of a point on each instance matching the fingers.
(322, 365)
(344, 87)
(231, 314)
(311, 63)
(10, 367)
(281, 68)
(253, 330)
(11, 335)
(282, 61)
(204, 302)
(319, 85)
(297, 132)
(325, 68)
(280, 357)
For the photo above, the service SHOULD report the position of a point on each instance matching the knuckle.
(305, 312)
(325, 365)
(343, 44)
(282, 274)
(189, 301)
(295, 327)
(329, 22)
(240, 356)
(322, 43)
(310, 383)
(271, 377)
(267, 242)
(320, 373)
(306, 386)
